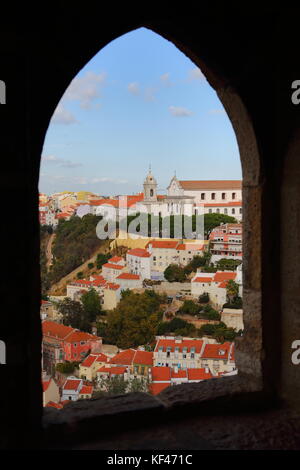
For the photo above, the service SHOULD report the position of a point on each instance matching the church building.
(185, 197)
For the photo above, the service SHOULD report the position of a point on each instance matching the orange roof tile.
(129, 276)
(45, 384)
(123, 358)
(116, 259)
(211, 184)
(161, 374)
(86, 390)
(140, 252)
(198, 374)
(56, 330)
(180, 374)
(112, 266)
(51, 404)
(190, 247)
(143, 357)
(166, 244)
(221, 276)
(203, 279)
(215, 351)
(71, 384)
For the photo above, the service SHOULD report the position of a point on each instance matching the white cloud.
(178, 111)
(216, 111)
(52, 159)
(82, 180)
(195, 74)
(134, 88)
(165, 79)
(62, 116)
(85, 89)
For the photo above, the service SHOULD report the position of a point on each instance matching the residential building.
(129, 281)
(74, 389)
(88, 368)
(63, 343)
(226, 241)
(219, 358)
(50, 390)
(213, 284)
(139, 262)
(178, 352)
(161, 378)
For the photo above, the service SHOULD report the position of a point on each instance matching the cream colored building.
(88, 368)
(233, 318)
(50, 390)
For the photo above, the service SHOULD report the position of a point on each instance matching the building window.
(213, 195)
(225, 211)
(223, 195)
(202, 196)
(233, 211)
(233, 195)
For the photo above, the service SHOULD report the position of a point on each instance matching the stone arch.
(249, 348)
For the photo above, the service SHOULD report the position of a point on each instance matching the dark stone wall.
(249, 56)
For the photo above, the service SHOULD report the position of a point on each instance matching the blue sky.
(139, 101)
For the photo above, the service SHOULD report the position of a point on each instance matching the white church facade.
(192, 197)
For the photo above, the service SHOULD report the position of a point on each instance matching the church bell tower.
(150, 188)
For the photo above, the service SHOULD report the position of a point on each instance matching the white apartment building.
(139, 262)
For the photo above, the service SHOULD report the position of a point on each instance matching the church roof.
(211, 184)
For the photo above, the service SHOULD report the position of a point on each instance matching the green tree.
(138, 385)
(214, 220)
(227, 264)
(189, 307)
(102, 258)
(72, 312)
(174, 273)
(134, 321)
(91, 305)
(232, 289)
(113, 385)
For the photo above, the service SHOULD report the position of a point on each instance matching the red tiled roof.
(162, 244)
(140, 252)
(71, 384)
(214, 351)
(46, 384)
(221, 276)
(180, 374)
(112, 286)
(185, 343)
(102, 357)
(89, 360)
(223, 204)
(143, 357)
(128, 276)
(56, 330)
(77, 336)
(198, 374)
(113, 370)
(116, 259)
(86, 390)
(123, 358)
(161, 374)
(190, 247)
(112, 266)
(51, 404)
(156, 388)
(211, 184)
(203, 279)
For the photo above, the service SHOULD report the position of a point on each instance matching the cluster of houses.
(172, 362)
(182, 198)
